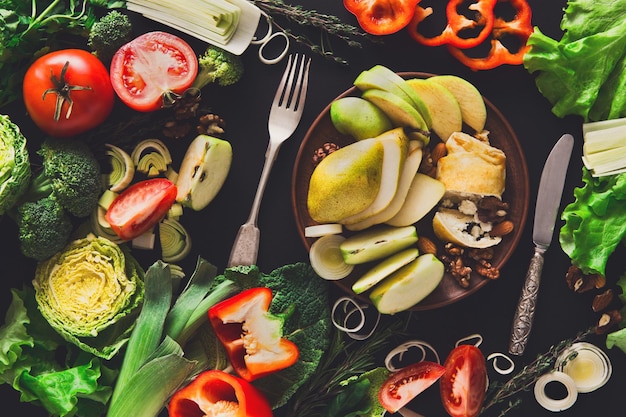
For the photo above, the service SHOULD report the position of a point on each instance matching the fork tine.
(281, 91)
(302, 85)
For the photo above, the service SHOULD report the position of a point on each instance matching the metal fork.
(284, 117)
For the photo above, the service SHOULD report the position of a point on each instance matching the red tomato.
(67, 92)
(141, 206)
(150, 66)
(464, 384)
(404, 385)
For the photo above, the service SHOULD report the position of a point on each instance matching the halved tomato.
(404, 385)
(464, 384)
(150, 67)
(141, 206)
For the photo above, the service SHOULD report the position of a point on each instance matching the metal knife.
(548, 202)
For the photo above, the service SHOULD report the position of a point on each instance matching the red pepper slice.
(457, 23)
(216, 393)
(382, 17)
(520, 26)
(251, 335)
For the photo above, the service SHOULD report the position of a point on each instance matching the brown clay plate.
(516, 195)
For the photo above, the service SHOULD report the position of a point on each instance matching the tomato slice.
(464, 384)
(141, 206)
(150, 66)
(404, 385)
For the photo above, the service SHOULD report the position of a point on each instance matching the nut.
(485, 269)
(607, 321)
(503, 228)
(438, 152)
(602, 300)
(425, 245)
(323, 151)
(580, 282)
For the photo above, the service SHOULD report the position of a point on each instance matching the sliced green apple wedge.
(203, 171)
(358, 118)
(473, 109)
(383, 269)
(423, 195)
(409, 285)
(377, 243)
(374, 80)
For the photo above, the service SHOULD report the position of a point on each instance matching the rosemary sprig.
(329, 25)
(525, 378)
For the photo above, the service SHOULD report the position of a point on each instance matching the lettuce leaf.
(595, 223)
(581, 73)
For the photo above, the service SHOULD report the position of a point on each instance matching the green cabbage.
(90, 293)
(15, 169)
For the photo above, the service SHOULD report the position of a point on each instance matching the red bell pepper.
(520, 26)
(251, 335)
(382, 17)
(457, 26)
(216, 393)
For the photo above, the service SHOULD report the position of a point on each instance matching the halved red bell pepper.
(520, 26)
(253, 337)
(457, 25)
(216, 393)
(382, 17)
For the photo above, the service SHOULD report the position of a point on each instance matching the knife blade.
(546, 208)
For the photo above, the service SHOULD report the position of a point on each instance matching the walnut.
(485, 269)
(480, 253)
(323, 151)
(607, 321)
(456, 268)
(492, 210)
(453, 249)
(211, 124)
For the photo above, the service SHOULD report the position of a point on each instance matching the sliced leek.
(122, 169)
(174, 239)
(151, 157)
(326, 259)
(320, 230)
(604, 148)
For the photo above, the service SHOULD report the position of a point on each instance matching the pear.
(399, 111)
(473, 109)
(443, 107)
(203, 171)
(409, 285)
(411, 165)
(423, 195)
(346, 182)
(395, 143)
(383, 269)
(358, 118)
(376, 243)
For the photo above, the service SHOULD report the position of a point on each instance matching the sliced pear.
(453, 226)
(443, 107)
(395, 144)
(383, 269)
(377, 243)
(346, 182)
(358, 118)
(411, 165)
(473, 109)
(409, 285)
(423, 195)
(203, 171)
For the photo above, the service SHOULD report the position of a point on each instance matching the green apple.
(409, 285)
(383, 269)
(371, 80)
(443, 107)
(203, 171)
(400, 82)
(346, 182)
(411, 165)
(358, 118)
(376, 243)
(423, 195)
(395, 144)
(473, 109)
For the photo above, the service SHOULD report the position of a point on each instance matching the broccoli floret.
(218, 65)
(109, 33)
(71, 173)
(44, 228)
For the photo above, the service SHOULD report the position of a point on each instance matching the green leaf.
(13, 334)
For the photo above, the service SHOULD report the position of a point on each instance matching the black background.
(560, 313)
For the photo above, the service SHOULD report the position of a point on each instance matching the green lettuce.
(584, 72)
(595, 223)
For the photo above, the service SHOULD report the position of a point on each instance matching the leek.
(174, 239)
(604, 148)
(122, 169)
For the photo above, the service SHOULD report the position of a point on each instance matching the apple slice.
(377, 243)
(409, 285)
(473, 109)
(358, 118)
(423, 195)
(383, 269)
(203, 171)
(411, 165)
(374, 80)
(443, 107)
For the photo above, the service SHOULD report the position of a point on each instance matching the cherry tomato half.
(141, 206)
(151, 66)
(67, 92)
(404, 385)
(464, 383)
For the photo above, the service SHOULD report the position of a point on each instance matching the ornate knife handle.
(523, 319)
